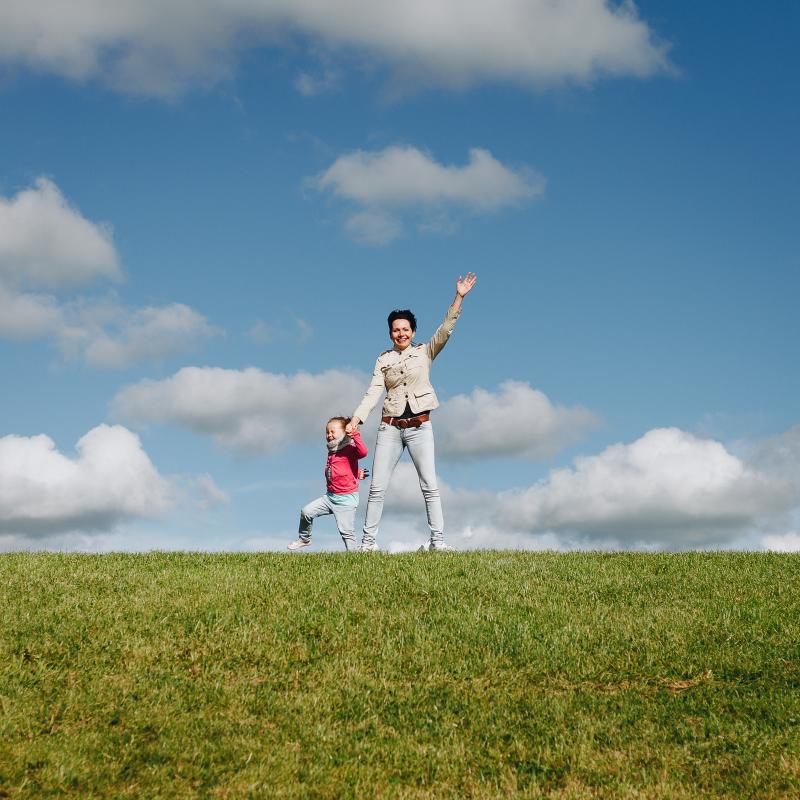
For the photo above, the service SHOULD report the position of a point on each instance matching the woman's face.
(401, 333)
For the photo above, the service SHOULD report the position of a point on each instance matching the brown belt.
(408, 422)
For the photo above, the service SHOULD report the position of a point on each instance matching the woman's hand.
(352, 425)
(464, 285)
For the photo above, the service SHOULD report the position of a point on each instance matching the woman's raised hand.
(464, 285)
(352, 425)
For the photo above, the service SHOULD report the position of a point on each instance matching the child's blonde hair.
(343, 420)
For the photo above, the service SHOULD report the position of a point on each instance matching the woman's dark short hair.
(403, 313)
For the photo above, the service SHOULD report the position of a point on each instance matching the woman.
(403, 372)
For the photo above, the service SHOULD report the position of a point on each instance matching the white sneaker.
(298, 543)
(368, 547)
(441, 547)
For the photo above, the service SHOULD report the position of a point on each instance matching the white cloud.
(668, 487)
(261, 333)
(667, 490)
(288, 329)
(515, 421)
(103, 333)
(44, 242)
(44, 492)
(109, 336)
(210, 495)
(310, 85)
(782, 543)
(161, 48)
(373, 226)
(402, 176)
(249, 410)
(470, 518)
(401, 181)
(28, 316)
(777, 455)
(263, 412)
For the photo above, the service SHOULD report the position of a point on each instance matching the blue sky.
(207, 211)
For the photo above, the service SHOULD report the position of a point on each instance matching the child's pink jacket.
(341, 468)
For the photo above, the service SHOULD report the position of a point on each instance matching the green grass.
(415, 676)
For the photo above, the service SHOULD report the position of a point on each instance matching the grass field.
(465, 675)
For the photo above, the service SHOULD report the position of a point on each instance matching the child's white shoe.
(299, 543)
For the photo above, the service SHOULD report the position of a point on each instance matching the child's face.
(334, 430)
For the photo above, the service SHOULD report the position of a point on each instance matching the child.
(341, 478)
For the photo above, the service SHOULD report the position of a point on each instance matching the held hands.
(464, 285)
(352, 426)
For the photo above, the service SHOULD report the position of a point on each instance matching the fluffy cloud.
(406, 176)
(103, 333)
(310, 85)
(470, 518)
(44, 242)
(27, 316)
(250, 410)
(44, 492)
(404, 179)
(109, 336)
(777, 455)
(782, 543)
(259, 411)
(373, 227)
(667, 490)
(160, 48)
(668, 487)
(209, 494)
(515, 421)
(288, 329)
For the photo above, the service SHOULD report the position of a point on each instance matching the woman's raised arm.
(463, 287)
(442, 333)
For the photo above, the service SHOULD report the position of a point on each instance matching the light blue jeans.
(388, 448)
(345, 517)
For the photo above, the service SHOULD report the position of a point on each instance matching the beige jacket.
(405, 375)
